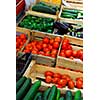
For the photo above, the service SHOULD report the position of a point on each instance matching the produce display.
(63, 80)
(28, 91)
(68, 52)
(69, 29)
(37, 23)
(45, 8)
(46, 46)
(20, 41)
(72, 13)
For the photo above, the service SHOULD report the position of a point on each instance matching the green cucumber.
(46, 93)
(68, 95)
(68, 13)
(58, 94)
(20, 82)
(23, 90)
(68, 16)
(33, 90)
(71, 11)
(77, 95)
(53, 93)
(37, 95)
(61, 98)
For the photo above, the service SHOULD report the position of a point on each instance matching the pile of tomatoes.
(20, 41)
(63, 80)
(46, 46)
(68, 52)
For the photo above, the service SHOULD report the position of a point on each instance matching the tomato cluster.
(68, 52)
(46, 47)
(20, 41)
(63, 80)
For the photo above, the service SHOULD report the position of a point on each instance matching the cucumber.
(19, 83)
(53, 93)
(46, 93)
(37, 95)
(71, 11)
(43, 9)
(61, 98)
(77, 95)
(68, 95)
(33, 90)
(68, 16)
(24, 89)
(68, 13)
(58, 94)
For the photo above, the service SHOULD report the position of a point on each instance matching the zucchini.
(43, 9)
(68, 13)
(33, 90)
(46, 93)
(77, 95)
(68, 16)
(68, 95)
(24, 89)
(53, 93)
(61, 98)
(71, 11)
(19, 83)
(37, 95)
(58, 94)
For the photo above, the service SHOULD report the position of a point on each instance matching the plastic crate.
(22, 62)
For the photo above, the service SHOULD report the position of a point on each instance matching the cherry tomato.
(58, 39)
(64, 46)
(62, 82)
(49, 73)
(57, 75)
(56, 45)
(51, 41)
(71, 84)
(68, 53)
(46, 40)
(48, 79)
(55, 80)
(79, 84)
(69, 47)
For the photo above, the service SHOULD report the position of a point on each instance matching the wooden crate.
(75, 21)
(69, 63)
(34, 14)
(75, 1)
(35, 71)
(40, 59)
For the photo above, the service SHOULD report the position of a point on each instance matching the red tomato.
(59, 86)
(19, 40)
(40, 42)
(46, 49)
(17, 44)
(79, 84)
(53, 56)
(22, 36)
(58, 39)
(48, 79)
(66, 41)
(50, 47)
(62, 54)
(69, 47)
(41, 53)
(71, 57)
(71, 84)
(39, 47)
(54, 52)
(80, 78)
(68, 53)
(64, 46)
(56, 45)
(67, 77)
(34, 52)
(80, 53)
(62, 82)
(55, 80)
(74, 54)
(57, 75)
(26, 51)
(46, 40)
(51, 41)
(47, 53)
(49, 73)
(44, 45)
(34, 43)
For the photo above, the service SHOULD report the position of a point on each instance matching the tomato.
(62, 54)
(68, 53)
(41, 53)
(67, 77)
(17, 44)
(22, 36)
(44, 45)
(79, 84)
(47, 53)
(57, 75)
(40, 42)
(69, 47)
(59, 86)
(55, 80)
(26, 51)
(53, 56)
(46, 49)
(34, 43)
(56, 45)
(54, 52)
(51, 41)
(62, 82)
(80, 78)
(50, 47)
(46, 40)
(74, 54)
(58, 39)
(49, 73)
(48, 79)
(64, 46)
(71, 84)
(19, 40)
(79, 53)
(71, 57)
(34, 52)
(66, 41)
